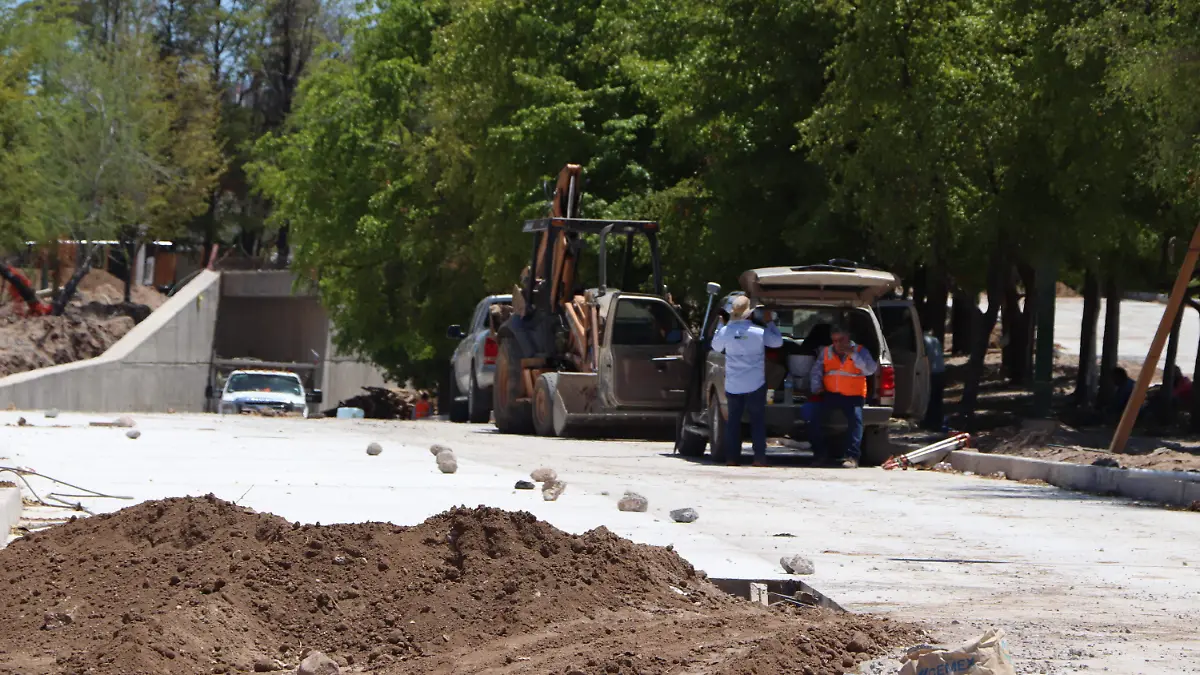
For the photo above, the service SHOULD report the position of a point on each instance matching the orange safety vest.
(843, 377)
(421, 410)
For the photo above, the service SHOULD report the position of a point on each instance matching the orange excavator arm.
(21, 290)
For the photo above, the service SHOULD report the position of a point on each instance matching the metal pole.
(1125, 428)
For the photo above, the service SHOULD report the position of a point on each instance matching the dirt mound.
(37, 342)
(102, 286)
(1064, 291)
(201, 585)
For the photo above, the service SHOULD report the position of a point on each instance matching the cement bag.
(985, 655)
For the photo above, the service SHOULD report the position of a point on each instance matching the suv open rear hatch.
(833, 284)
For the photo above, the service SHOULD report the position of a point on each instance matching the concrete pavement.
(1139, 321)
(1079, 582)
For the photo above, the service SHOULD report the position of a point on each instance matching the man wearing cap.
(744, 345)
(840, 374)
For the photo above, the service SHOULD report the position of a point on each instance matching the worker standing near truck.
(840, 374)
(745, 347)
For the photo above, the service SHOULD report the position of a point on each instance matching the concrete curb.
(1176, 488)
(10, 512)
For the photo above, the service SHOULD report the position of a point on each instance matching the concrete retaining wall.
(161, 364)
(1176, 488)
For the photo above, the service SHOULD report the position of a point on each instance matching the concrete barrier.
(10, 512)
(161, 364)
(1177, 488)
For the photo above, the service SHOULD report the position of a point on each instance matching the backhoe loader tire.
(543, 404)
(513, 416)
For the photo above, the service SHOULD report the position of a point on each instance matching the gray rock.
(632, 501)
(374, 449)
(124, 421)
(56, 620)
(524, 485)
(544, 475)
(133, 433)
(446, 462)
(797, 564)
(553, 489)
(437, 449)
(687, 515)
(51, 414)
(265, 666)
(860, 643)
(317, 663)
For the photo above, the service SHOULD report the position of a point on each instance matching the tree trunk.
(962, 317)
(1195, 408)
(1167, 410)
(982, 325)
(210, 230)
(130, 264)
(934, 317)
(1112, 335)
(1087, 339)
(1018, 322)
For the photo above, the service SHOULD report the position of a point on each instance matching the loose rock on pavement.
(524, 485)
(51, 414)
(797, 564)
(317, 663)
(632, 501)
(552, 490)
(437, 449)
(124, 421)
(544, 475)
(446, 462)
(374, 449)
(133, 434)
(687, 515)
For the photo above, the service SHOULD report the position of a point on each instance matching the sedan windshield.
(279, 384)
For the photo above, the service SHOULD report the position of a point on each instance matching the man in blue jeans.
(840, 374)
(744, 345)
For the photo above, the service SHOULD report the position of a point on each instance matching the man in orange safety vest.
(840, 373)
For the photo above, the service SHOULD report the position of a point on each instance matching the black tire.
(479, 402)
(513, 416)
(876, 446)
(543, 405)
(458, 407)
(716, 430)
(690, 443)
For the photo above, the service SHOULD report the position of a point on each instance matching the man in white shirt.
(744, 345)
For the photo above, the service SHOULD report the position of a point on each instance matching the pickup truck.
(807, 300)
(473, 366)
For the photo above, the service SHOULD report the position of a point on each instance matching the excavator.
(571, 358)
(21, 291)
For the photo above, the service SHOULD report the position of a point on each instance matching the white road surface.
(1080, 583)
(1139, 322)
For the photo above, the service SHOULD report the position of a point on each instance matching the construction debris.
(797, 564)
(543, 475)
(51, 414)
(524, 485)
(374, 449)
(553, 489)
(687, 515)
(381, 403)
(133, 434)
(930, 454)
(446, 462)
(987, 653)
(632, 501)
(437, 449)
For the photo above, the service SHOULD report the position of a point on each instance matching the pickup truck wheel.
(479, 405)
(458, 407)
(876, 446)
(543, 404)
(716, 430)
(513, 416)
(690, 443)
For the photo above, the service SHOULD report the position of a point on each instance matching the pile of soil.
(201, 585)
(94, 320)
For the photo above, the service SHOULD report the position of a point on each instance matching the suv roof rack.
(837, 265)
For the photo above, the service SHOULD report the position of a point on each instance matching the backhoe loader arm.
(21, 290)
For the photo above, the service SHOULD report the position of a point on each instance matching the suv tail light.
(887, 385)
(490, 349)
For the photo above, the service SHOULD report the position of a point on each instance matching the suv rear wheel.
(716, 430)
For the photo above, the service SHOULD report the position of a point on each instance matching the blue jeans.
(851, 407)
(754, 403)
